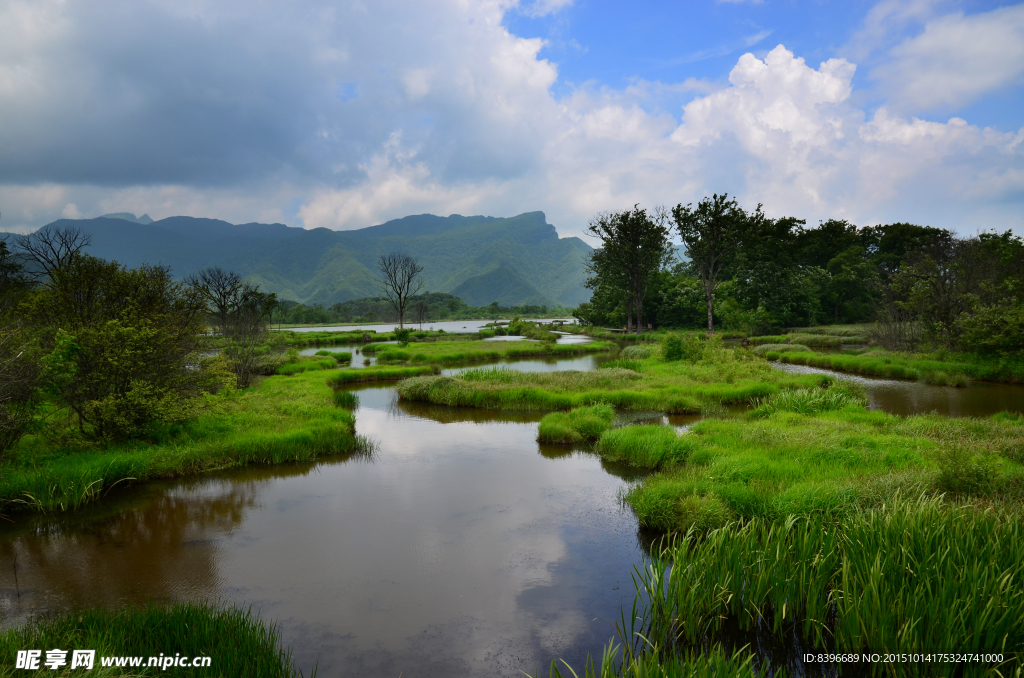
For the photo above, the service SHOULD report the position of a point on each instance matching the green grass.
(450, 352)
(380, 373)
(575, 426)
(721, 376)
(646, 446)
(307, 364)
(823, 453)
(339, 356)
(942, 370)
(764, 349)
(652, 662)
(237, 642)
(909, 576)
(281, 419)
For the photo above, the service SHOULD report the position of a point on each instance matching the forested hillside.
(515, 261)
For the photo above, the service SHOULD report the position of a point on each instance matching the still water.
(448, 326)
(461, 548)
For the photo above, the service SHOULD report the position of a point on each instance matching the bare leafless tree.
(51, 248)
(399, 280)
(421, 309)
(240, 314)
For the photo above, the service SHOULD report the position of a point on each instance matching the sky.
(346, 114)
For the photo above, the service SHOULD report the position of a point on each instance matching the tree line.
(921, 287)
(92, 350)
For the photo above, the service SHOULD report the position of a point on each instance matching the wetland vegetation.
(789, 511)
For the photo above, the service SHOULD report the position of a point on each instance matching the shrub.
(673, 348)
(402, 336)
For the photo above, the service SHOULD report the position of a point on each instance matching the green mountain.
(514, 261)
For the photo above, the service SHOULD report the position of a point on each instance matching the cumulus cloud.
(321, 114)
(956, 59)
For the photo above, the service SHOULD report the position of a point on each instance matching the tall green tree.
(711, 232)
(634, 245)
(122, 346)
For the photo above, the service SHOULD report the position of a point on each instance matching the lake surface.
(460, 547)
(448, 326)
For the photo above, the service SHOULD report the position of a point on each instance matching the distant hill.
(515, 261)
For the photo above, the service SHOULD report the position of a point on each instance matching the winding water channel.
(461, 547)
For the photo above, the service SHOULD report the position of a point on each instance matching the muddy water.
(901, 396)
(461, 548)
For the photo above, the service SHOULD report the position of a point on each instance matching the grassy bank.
(721, 377)
(450, 352)
(236, 642)
(939, 369)
(846, 585)
(814, 452)
(380, 373)
(281, 419)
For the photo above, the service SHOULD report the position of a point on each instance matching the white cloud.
(343, 116)
(956, 60)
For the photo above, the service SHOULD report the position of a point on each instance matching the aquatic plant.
(576, 425)
(380, 373)
(646, 446)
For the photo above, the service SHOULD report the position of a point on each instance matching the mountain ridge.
(513, 260)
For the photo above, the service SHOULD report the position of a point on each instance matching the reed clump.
(237, 642)
(646, 446)
(847, 584)
(576, 426)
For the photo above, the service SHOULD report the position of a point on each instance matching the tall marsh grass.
(910, 576)
(646, 446)
(237, 642)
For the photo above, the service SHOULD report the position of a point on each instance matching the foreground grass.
(281, 419)
(237, 642)
(909, 576)
(449, 352)
(817, 452)
(643, 383)
(933, 369)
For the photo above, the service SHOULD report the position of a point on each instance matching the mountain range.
(514, 261)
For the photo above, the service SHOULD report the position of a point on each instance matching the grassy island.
(448, 352)
(719, 377)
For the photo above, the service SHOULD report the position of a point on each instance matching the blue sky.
(345, 114)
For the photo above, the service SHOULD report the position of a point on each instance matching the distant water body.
(448, 326)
